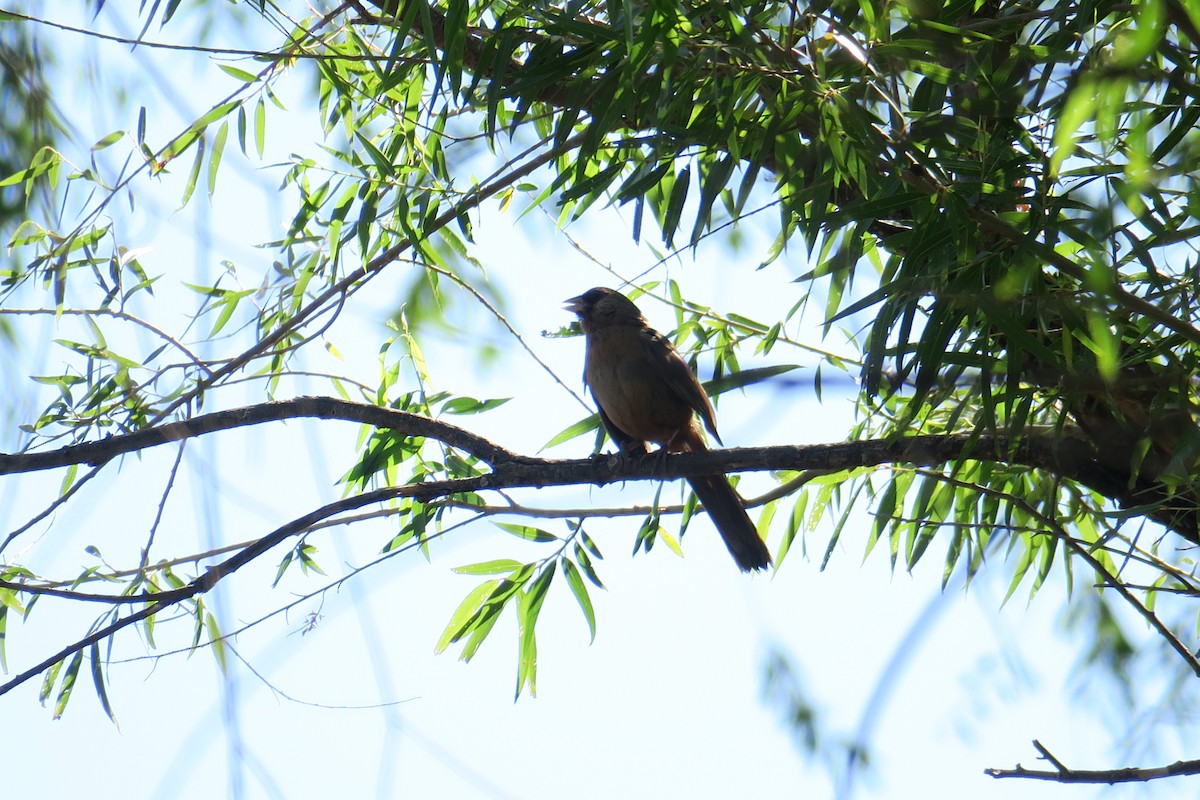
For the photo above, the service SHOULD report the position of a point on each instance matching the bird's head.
(601, 306)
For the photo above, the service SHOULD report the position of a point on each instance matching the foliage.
(999, 200)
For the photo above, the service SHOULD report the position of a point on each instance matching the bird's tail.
(734, 525)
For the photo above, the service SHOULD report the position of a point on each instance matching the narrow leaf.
(98, 680)
(463, 614)
(579, 589)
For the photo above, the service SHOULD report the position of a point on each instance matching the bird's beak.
(575, 304)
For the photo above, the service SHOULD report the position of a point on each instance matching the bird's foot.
(619, 460)
(660, 460)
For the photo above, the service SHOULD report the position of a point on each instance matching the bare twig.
(358, 277)
(58, 501)
(195, 360)
(273, 55)
(1064, 774)
(162, 503)
(161, 601)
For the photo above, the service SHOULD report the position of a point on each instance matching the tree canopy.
(996, 203)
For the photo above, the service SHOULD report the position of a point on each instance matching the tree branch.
(96, 453)
(1063, 774)
(1063, 454)
(160, 601)
(1056, 453)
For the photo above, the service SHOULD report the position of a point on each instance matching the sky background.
(669, 701)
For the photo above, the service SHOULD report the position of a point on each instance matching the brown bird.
(646, 393)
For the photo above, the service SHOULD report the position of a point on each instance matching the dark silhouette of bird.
(646, 393)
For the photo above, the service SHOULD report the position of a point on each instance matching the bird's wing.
(678, 376)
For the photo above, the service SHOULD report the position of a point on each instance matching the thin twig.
(116, 314)
(162, 503)
(1046, 754)
(50, 509)
(161, 601)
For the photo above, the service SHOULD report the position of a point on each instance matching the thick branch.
(512, 470)
(1062, 454)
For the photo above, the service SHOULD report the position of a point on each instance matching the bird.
(645, 392)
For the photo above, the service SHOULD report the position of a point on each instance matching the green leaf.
(217, 640)
(884, 516)
(579, 589)
(260, 126)
(68, 684)
(585, 425)
(527, 532)
(193, 175)
(585, 563)
(467, 609)
(529, 606)
(98, 681)
(480, 630)
(48, 681)
(43, 161)
(715, 180)
(674, 209)
(228, 304)
(1104, 345)
(68, 480)
(212, 115)
(284, 563)
(214, 159)
(1080, 108)
(384, 164)
(469, 405)
(746, 377)
(794, 526)
(496, 567)
(108, 141)
(241, 74)
(670, 541)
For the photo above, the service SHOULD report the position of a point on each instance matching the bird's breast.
(631, 389)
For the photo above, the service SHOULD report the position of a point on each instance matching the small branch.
(195, 360)
(96, 453)
(1058, 453)
(162, 503)
(71, 594)
(50, 509)
(509, 175)
(1046, 754)
(590, 512)
(161, 601)
(262, 55)
(1064, 774)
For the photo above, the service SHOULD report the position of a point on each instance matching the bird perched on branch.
(646, 393)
